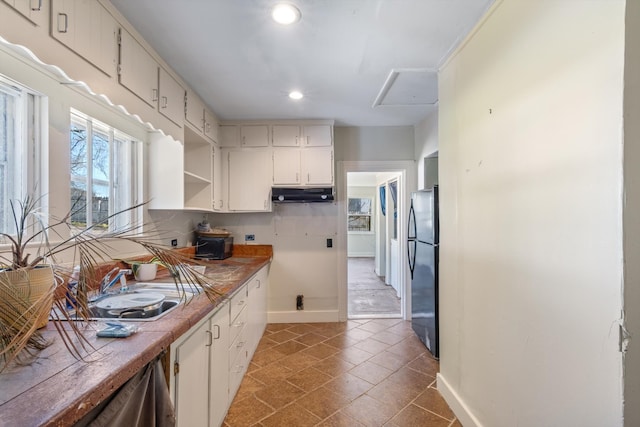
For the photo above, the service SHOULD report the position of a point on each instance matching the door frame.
(406, 184)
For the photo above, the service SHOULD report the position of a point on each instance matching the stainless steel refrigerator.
(422, 248)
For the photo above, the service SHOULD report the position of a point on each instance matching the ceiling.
(358, 62)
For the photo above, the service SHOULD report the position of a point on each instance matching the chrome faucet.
(107, 282)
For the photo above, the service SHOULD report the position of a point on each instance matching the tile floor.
(368, 295)
(357, 373)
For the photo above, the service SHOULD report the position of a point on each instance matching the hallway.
(368, 295)
(352, 374)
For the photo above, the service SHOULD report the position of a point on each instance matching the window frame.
(128, 160)
(362, 215)
(25, 152)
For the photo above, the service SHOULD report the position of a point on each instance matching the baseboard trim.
(303, 316)
(457, 405)
(361, 255)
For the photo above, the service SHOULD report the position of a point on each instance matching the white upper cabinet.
(317, 166)
(138, 69)
(36, 11)
(318, 136)
(88, 29)
(229, 135)
(248, 174)
(210, 125)
(217, 197)
(200, 117)
(194, 112)
(140, 73)
(171, 98)
(285, 135)
(254, 135)
(286, 167)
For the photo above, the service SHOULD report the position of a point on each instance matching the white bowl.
(144, 272)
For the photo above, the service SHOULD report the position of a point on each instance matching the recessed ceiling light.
(285, 13)
(295, 95)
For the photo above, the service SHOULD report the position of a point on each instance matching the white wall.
(426, 143)
(374, 143)
(361, 243)
(632, 213)
(530, 145)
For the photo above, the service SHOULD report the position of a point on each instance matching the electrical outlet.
(249, 237)
(300, 302)
(174, 243)
(329, 243)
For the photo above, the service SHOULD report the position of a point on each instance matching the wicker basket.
(26, 296)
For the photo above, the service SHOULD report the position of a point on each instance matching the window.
(359, 215)
(105, 178)
(19, 147)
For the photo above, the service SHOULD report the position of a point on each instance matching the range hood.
(301, 195)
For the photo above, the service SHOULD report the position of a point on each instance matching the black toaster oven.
(212, 247)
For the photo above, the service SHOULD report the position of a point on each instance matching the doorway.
(404, 174)
(372, 246)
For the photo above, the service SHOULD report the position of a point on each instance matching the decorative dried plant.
(33, 237)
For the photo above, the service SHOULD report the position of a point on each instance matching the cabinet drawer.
(238, 302)
(238, 352)
(238, 324)
(236, 373)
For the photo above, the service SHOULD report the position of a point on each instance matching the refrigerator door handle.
(411, 257)
(412, 220)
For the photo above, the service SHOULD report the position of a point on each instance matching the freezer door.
(423, 206)
(424, 296)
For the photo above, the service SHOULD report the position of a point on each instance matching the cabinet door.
(138, 69)
(219, 372)
(210, 125)
(254, 135)
(88, 29)
(318, 136)
(317, 166)
(166, 166)
(171, 101)
(62, 27)
(191, 386)
(36, 11)
(228, 135)
(257, 308)
(217, 197)
(286, 166)
(285, 135)
(249, 180)
(194, 112)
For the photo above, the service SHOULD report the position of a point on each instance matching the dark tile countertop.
(58, 390)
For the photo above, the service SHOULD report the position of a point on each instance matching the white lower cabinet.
(257, 321)
(210, 360)
(195, 356)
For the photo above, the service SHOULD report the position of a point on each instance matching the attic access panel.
(409, 86)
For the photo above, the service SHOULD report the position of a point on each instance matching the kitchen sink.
(172, 299)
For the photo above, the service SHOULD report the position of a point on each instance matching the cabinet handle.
(307, 138)
(259, 283)
(239, 368)
(244, 140)
(241, 302)
(238, 325)
(209, 339)
(240, 344)
(217, 328)
(39, 8)
(297, 177)
(308, 177)
(154, 95)
(165, 102)
(65, 21)
(207, 127)
(297, 140)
